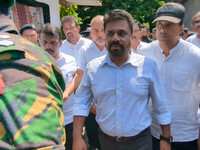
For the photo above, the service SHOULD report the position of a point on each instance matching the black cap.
(172, 12)
(27, 27)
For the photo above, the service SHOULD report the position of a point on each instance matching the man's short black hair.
(116, 15)
(51, 30)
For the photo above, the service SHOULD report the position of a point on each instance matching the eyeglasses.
(196, 23)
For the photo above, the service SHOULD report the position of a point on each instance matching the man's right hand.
(65, 96)
(79, 144)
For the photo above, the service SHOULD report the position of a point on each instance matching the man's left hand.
(164, 145)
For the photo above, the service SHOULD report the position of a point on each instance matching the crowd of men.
(130, 90)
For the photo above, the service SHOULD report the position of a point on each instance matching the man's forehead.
(29, 32)
(69, 23)
(196, 17)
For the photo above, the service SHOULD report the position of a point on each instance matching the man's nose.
(116, 37)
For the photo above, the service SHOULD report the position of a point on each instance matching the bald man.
(195, 39)
(96, 49)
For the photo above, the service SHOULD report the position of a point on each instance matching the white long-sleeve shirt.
(180, 72)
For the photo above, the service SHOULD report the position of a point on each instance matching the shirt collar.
(134, 60)
(174, 49)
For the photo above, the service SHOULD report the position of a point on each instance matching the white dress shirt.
(89, 53)
(180, 72)
(73, 50)
(121, 95)
(194, 40)
(68, 67)
(141, 45)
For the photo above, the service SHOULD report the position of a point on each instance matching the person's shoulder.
(15, 42)
(191, 37)
(96, 62)
(148, 49)
(86, 40)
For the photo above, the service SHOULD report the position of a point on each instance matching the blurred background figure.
(86, 33)
(195, 39)
(185, 33)
(136, 41)
(146, 34)
(29, 32)
(153, 34)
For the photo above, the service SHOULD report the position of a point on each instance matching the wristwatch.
(167, 139)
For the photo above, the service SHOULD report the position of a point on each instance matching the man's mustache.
(115, 44)
(49, 50)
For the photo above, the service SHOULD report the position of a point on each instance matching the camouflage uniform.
(31, 100)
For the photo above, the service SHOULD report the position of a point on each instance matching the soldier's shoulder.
(12, 42)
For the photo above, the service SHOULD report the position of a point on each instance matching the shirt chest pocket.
(139, 85)
(181, 82)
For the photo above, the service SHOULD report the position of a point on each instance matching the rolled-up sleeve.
(83, 96)
(159, 99)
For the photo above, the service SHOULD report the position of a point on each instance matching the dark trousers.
(92, 131)
(191, 145)
(142, 142)
(69, 135)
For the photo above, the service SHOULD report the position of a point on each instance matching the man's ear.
(61, 42)
(79, 28)
(181, 28)
(37, 37)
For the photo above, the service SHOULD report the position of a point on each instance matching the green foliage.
(141, 10)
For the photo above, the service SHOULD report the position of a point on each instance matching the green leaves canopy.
(141, 10)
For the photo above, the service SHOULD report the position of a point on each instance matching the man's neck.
(100, 47)
(135, 44)
(168, 46)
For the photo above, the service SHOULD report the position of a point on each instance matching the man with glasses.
(195, 39)
(136, 42)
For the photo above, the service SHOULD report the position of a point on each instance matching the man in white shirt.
(195, 39)
(120, 83)
(50, 41)
(137, 44)
(179, 64)
(71, 46)
(96, 49)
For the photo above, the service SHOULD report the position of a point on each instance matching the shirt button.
(118, 69)
(117, 123)
(118, 87)
(118, 105)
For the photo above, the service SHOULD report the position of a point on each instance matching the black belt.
(121, 139)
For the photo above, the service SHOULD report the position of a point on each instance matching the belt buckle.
(118, 138)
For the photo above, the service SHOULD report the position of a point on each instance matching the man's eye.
(122, 33)
(109, 34)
